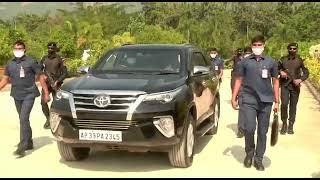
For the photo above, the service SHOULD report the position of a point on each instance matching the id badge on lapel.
(264, 73)
(22, 74)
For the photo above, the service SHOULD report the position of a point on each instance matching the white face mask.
(213, 55)
(257, 51)
(18, 53)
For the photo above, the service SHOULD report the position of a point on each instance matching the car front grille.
(103, 124)
(120, 102)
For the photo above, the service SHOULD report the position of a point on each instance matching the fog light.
(54, 121)
(165, 125)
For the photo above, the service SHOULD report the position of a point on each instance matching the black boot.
(284, 127)
(29, 146)
(247, 161)
(290, 128)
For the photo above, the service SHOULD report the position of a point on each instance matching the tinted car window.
(140, 60)
(198, 59)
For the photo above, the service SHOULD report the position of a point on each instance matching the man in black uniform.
(21, 73)
(235, 60)
(255, 73)
(290, 67)
(241, 120)
(53, 67)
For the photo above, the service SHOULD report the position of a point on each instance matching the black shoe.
(19, 152)
(240, 133)
(46, 125)
(284, 128)
(247, 162)
(258, 166)
(29, 146)
(290, 128)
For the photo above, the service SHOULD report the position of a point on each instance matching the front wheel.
(181, 154)
(70, 153)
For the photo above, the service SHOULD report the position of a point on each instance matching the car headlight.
(165, 125)
(54, 121)
(62, 95)
(163, 97)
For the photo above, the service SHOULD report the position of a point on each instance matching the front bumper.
(142, 134)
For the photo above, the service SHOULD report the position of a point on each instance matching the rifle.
(290, 78)
(51, 81)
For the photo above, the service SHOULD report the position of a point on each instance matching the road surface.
(220, 155)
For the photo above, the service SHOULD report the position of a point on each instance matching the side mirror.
(200, 70)
(84, 69)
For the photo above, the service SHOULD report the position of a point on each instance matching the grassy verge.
(314, 68)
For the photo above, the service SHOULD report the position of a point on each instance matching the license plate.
(100, 135)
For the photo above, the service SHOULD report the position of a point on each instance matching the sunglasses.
(292, 48)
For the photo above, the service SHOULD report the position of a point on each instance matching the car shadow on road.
(201, 143)
(316, 175)
(238, 152)
(122, 161)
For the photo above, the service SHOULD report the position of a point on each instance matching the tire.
(69, 153)
(180, 155)
(215, 117)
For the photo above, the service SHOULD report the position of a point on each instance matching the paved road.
(221, 155)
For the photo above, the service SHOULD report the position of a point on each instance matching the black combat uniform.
(236, 59)
(53, 67)
(289, 91)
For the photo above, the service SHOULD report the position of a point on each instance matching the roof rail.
(125, 44)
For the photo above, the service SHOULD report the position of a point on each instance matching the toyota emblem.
(102, 101)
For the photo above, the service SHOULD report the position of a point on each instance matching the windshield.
(162, 61)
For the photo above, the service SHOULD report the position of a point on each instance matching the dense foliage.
(225, 25)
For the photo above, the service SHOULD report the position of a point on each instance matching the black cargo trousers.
(44, 105)
(289, 97)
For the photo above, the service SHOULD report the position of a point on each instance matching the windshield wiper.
(165, 72)
(114, 72)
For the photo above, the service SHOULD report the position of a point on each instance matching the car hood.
(135, 82)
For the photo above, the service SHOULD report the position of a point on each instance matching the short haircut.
(20, 43)
(258, 38)
(247, 50)
(214, 49)
(292, 44)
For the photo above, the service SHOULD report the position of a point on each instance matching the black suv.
(139, 98)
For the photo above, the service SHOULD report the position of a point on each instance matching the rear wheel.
(215, 117)
(69, 153)
(181, 154)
